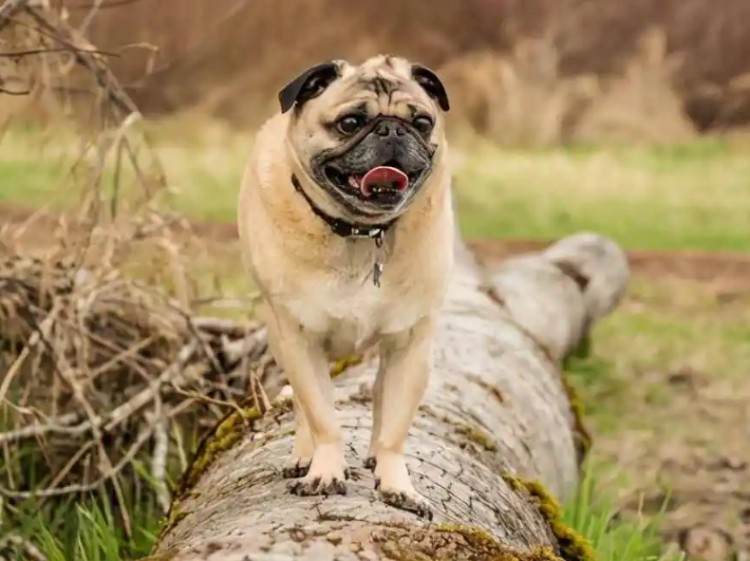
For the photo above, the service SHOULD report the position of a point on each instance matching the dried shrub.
(640, 104)
(231, 56)
(102, 374)
(517, 99)
(98, 368)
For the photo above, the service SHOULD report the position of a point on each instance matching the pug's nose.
(390, 128)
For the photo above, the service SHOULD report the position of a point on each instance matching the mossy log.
(495, 448)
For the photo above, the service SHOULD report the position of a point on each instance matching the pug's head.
(367, 136)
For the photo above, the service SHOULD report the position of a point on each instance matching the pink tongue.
(384, 176)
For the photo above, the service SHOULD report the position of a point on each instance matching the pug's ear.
(311, 83)
(431, 84)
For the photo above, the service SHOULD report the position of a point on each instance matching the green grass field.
(695, 196)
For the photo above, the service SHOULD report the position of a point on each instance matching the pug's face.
(367, 135)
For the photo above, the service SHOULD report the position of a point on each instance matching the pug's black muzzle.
(378, 170)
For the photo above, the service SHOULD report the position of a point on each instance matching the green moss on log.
(174, 516)
(573, 546)
(582, 350)
(581, 434)
(478, 437)
(225, 435)
(340, 366)
(453, 542)
(227, 432)
(160, 557)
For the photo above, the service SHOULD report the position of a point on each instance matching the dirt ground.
(696, 443)
(686, 455)
(698, 448)
(726, 272)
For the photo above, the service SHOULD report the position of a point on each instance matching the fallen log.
(495, 448)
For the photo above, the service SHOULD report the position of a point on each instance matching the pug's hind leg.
(407, 361)
(303, 445)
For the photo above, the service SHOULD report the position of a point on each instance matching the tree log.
(495, 430)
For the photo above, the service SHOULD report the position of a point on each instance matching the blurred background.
(629, 118)
(535, 71)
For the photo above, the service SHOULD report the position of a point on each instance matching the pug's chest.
(349, 312)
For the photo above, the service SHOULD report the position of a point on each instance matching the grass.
(661, 329)
(595, 516)
(693, 196)
(682, 197)
(89, 531)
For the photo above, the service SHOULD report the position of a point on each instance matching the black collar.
(341, 227)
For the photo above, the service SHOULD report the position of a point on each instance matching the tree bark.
(495, 428)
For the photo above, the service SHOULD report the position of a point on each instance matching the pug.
(346, 222)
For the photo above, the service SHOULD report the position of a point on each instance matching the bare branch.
(8, 9)
(30, 52)
(14, 92)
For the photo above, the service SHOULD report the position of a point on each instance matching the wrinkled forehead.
(383, 83)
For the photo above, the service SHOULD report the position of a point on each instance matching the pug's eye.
(423, 124)
(349, 124)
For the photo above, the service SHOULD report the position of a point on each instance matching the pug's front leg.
(317, 432)
(303, 445)
(406, 362)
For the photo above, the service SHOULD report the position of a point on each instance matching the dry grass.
(691, 196)
(527, 72)
(109, 374)
(682, 196)
(230, 58)
(523, 99)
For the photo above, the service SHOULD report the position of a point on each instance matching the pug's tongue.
(384, 177)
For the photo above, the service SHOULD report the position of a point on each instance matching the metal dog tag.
(377, 272)
(377, 269)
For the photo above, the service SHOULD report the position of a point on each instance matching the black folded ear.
(311, 83)
(431, 84)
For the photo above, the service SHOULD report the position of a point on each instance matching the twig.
(259, 394)
(103, 6)
(92, 12)
(60, 425)
(159, 461)
(30, 52)
(68, 374)
(221, 326)
(116, 416)
(8, 9)
(14, 92)
(106, 81)
(38, 335)
(17, 542)
(147, 394)
(182, 456)
(81, 488)
(72, 462)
